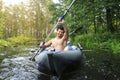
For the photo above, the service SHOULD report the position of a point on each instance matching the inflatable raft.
(55, 62)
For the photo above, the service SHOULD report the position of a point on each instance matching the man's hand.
(61, 21)
(42, 44)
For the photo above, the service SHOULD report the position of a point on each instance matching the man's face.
(60, 33)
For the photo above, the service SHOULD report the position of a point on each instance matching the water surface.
(97, 65)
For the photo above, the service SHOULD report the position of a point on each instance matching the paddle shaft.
(33, 57)
(63, 16)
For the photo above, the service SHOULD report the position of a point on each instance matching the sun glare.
(56, 1)
(13, 2)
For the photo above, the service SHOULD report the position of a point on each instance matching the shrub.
(4, 43)
(19, 40)
(99, 41)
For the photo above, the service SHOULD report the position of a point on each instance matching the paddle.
(63, 16)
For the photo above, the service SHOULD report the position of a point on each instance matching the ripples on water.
(98, 66)
(20, 68)
(15, 65)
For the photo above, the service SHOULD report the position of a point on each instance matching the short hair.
(60, 26)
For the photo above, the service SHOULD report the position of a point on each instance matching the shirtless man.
(59, 42)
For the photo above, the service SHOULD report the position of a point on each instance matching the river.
(97, 65)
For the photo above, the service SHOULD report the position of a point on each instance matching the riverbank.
(107, 41)
(18, 41)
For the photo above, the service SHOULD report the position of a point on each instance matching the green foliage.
(91, 14)
(115, 46)
(4, 43)
(34, 20)
(30, 19)
(20, 40)
(99, 41)
(1, 24)
(53, 35)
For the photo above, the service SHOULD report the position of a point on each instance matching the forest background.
(95, 24)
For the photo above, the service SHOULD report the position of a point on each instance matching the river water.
(97, 65)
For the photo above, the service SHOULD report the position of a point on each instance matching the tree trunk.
(109, 16)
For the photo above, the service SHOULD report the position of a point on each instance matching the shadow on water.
(97, 65)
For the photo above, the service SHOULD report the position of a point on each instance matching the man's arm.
(46, 44)
(65, 37)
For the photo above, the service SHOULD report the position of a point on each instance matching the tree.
(1, 20)
(28, 20)
(96, 16)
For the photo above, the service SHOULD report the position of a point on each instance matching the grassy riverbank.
(107, 41)
(18, 41)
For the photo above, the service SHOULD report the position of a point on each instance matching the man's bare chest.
(57, 42)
